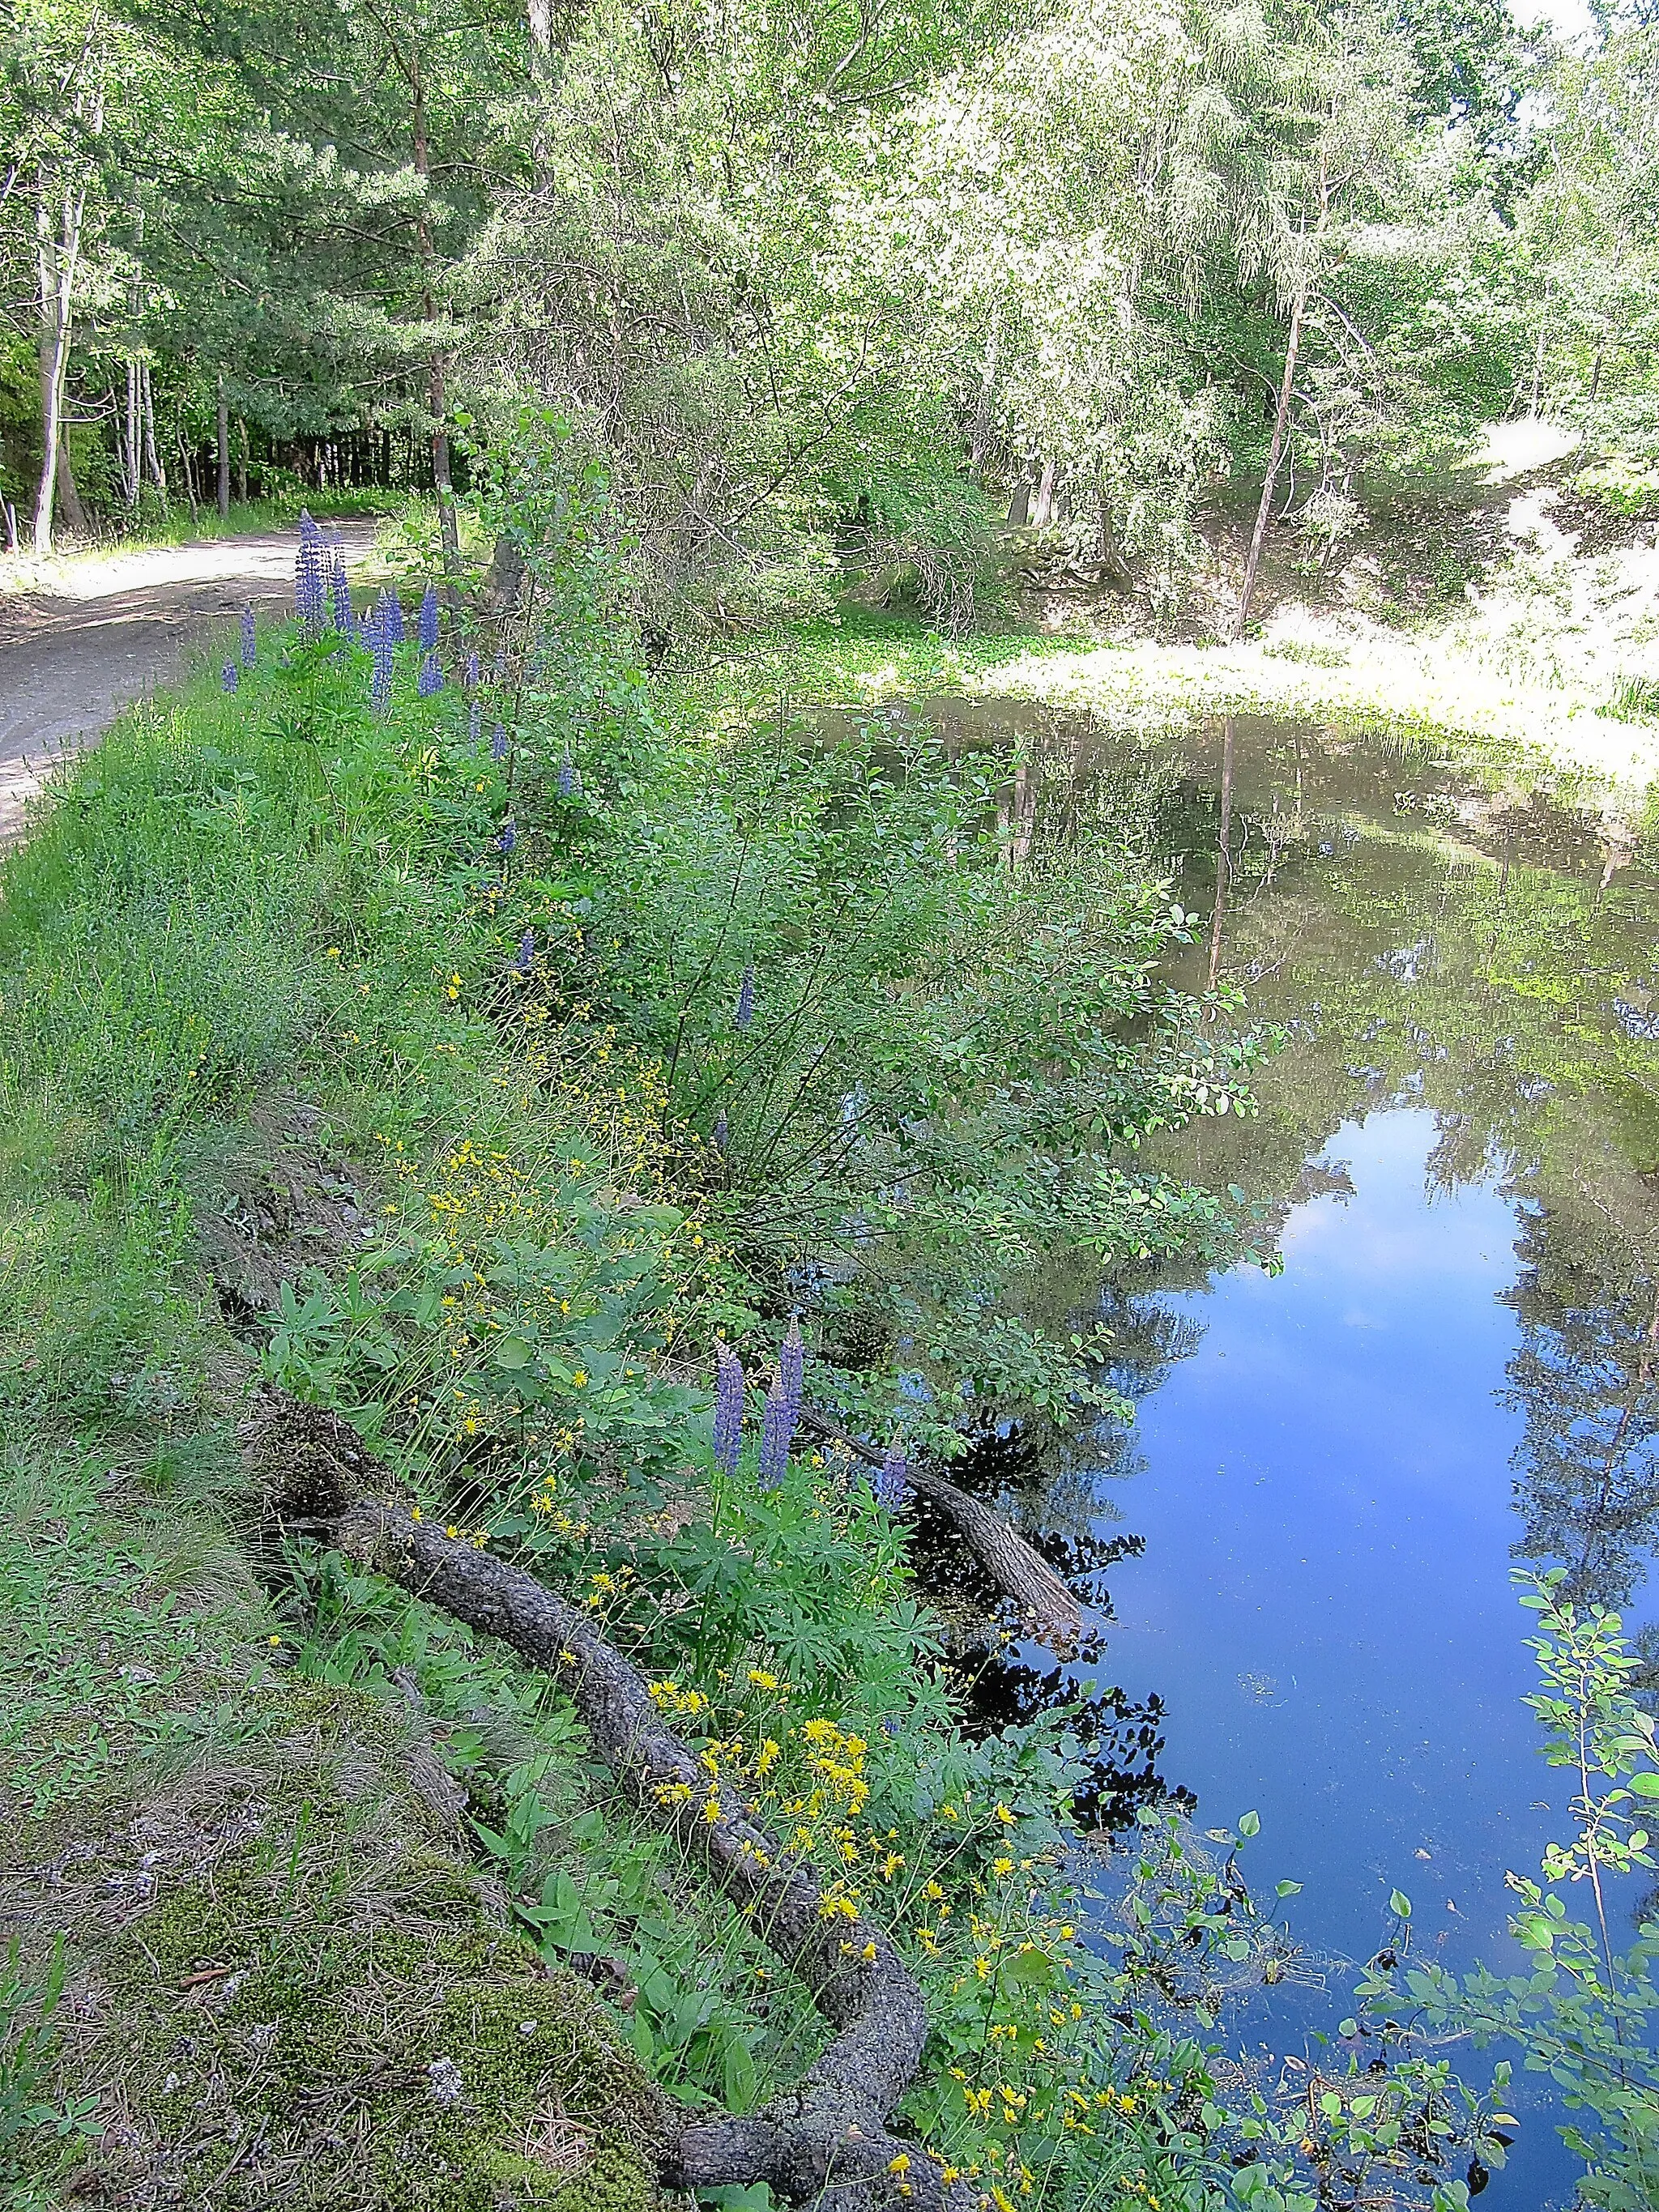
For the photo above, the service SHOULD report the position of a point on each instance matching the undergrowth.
(436, 1065)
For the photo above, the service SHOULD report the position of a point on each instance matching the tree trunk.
(541, 74)
(190, 482)
(987, 390)
(152, 457)
(1113, 566)
(826, 2139)
(224, 455)
(437, 398)
(241, 458)
(69, 494)
(1275, 454)
(130, 461)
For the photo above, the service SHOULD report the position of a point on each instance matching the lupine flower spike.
(777, 1434)
(729, 1408)
(310, 595)
(391, 615)
(474, 721)
(229, 677)
(498, 742)
(570, 782)
(431, 679)
(250, 638)
(526, 952)
(722, 1134)
(385, 651)
(792, 1371)
(508, 837)
(746, 1014)
(427, 630)
(470, 677)
(890, 1485)
(340, 591)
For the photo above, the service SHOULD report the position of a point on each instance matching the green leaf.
(1288, 1889)
(513, 1353)
(1398, 1903)
(1645, 1784)
(1250, 1825)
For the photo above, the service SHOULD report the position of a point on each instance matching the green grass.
(264, 1026)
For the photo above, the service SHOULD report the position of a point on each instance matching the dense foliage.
(827, 283)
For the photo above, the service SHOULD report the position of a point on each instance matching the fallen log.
(826, 2141)
(1016, 1568)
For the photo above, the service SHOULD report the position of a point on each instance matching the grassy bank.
(468, 1069)
(1479, 701)
(287, 1099)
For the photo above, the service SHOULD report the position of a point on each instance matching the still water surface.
(1334, 1470)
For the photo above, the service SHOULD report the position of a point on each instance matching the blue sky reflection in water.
(1335, 1469)
(1324, 1601)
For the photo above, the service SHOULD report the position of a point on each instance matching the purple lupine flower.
(309, 593)
(386, 655)
(430, 681)
(340, 591)
(570, 782)
(427, 621)
(890, 1485)
(792, 1370)
(777, 1434)
(230, 677)
(526, 952)
(498, 742)
(474, 721)
(729, 1408)
(391, 615)
(470, 676)
(250, 638)
(498, 665)
(507, 837)
(746, 1014)
(721, 1132)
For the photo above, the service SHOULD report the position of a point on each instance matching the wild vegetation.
(528, 1107)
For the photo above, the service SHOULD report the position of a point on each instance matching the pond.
(1312, 1520)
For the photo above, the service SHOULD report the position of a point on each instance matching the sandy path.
(116, 626)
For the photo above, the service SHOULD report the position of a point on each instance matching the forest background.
(463, 1047)
(829, 285)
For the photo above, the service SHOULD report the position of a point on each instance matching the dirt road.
(118, 625)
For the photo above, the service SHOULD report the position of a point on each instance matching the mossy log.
(1017, 1569)
(825, 2141)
